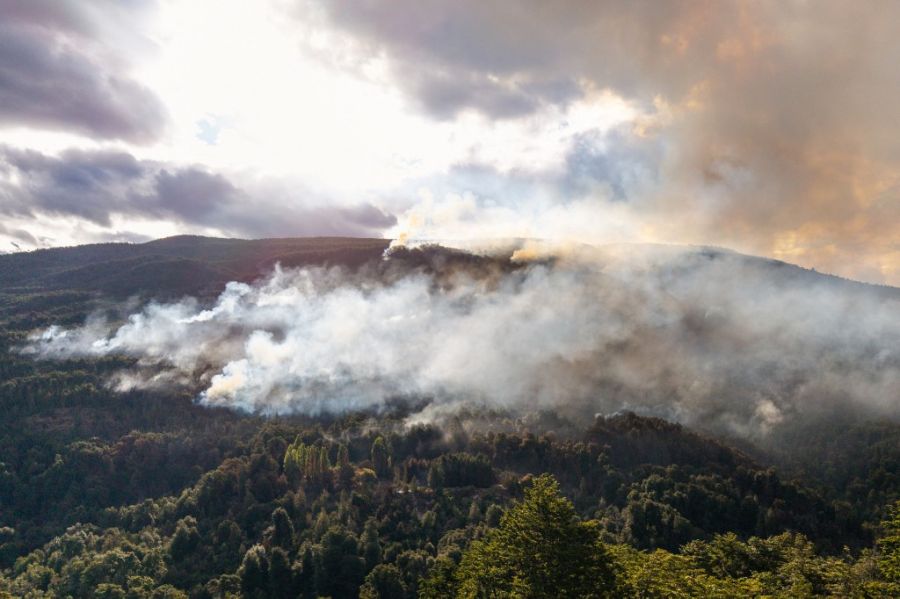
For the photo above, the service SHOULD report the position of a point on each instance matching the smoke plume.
(706, 337)
(764, 126)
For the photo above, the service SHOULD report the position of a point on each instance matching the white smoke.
(711, 338)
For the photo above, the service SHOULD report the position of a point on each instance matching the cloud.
(98, 185)
(193, 194)
(772, 119)
(90, 185)
(508, 58)
(62, 68)
(709, 338)
(766, 127)
(18, 234)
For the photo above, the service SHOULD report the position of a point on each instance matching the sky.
(767, 127)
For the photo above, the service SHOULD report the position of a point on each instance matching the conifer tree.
(541, 549)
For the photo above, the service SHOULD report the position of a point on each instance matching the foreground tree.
(889, 551)
(541, 549)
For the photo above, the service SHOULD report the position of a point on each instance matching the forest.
(146, 493)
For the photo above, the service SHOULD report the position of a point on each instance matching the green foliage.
(660, 574)
(461, 470)
(383, 582)
(307, 464)
(282, 584)
(147, 494)
(178, 500)
(282, 529)
(185, 539)
(243, 529)
(381, 458)
(371, 545)
(341, 569)
(889, 547)
(541, 549)
(254, 572)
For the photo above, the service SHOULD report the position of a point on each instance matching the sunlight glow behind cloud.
(762, 130)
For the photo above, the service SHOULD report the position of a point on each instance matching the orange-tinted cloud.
(780, 117)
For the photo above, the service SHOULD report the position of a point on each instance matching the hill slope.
(146, 489)
(174, 265)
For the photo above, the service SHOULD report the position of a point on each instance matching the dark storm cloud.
(95, 185)
(62, 67)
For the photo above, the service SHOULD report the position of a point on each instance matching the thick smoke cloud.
(96, 185)
(714, 339)
(777, 117)
(61, 67)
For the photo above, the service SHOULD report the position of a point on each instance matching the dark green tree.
(493, 514)
(282, 530)
(383, 582)
(185, 539)
(305, 574)
(889, 547)
(281, 576)
(254, 572)
(371, 545)
(381, 459)
(541, 549)
(344, 468)
(341, 570)
(440, 582)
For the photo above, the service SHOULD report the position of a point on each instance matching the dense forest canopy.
(146, 492)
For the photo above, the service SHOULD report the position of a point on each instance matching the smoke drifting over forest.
(705, 337)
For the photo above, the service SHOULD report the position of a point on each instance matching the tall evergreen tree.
(381, 458)
(371, 546)
(254, 572)
(281, 576)
(282, 530)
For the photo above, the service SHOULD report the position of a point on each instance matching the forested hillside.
(145, 493)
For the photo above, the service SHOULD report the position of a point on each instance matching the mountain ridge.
(218, 260)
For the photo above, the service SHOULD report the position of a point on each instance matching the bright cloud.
(764, 128)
